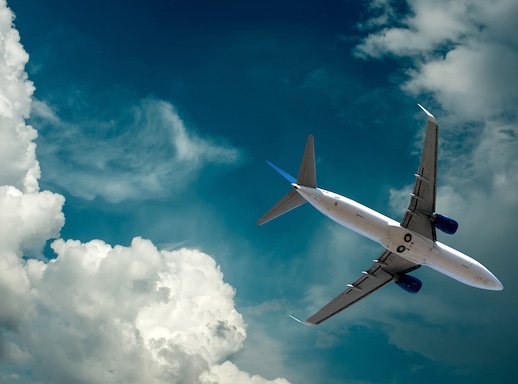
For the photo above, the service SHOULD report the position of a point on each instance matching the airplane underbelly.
(357, 218)
(408, 244)
(456, 265)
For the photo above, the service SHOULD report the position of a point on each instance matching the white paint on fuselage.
(393, 237)
(347, 212)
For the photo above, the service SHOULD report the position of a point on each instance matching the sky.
(133, 140)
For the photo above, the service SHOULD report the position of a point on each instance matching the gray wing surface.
(422, 202)
(383, 271)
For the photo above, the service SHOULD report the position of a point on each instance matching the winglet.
(302, 322)
(430, 116)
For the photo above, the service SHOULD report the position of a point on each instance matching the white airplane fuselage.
(402, 241)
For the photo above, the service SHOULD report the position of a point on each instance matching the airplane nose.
(489, 280)
(497, 285)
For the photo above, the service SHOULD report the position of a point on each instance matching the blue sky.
(154, 120)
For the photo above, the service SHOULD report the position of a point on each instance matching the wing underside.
(422, 201)
(385, 269)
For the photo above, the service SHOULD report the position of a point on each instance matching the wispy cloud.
(147, 152)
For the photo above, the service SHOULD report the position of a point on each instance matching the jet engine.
(444, 223)
(409, 283)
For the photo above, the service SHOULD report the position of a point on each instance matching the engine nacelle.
(409, 283)
(444, 223)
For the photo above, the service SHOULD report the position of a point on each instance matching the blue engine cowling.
(409, 283)
(444, 223)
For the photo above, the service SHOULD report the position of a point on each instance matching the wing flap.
(385, 269)
(356, 291)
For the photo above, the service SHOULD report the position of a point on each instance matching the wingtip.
(307, 323)
(430, 116)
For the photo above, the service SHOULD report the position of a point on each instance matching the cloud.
(228, 373)
(486, 90)
(131, 314)
(28, 219)
(96, 312)
(428, 27)
(126, 314)
(462, 52)
(17, 150)
(146, 153)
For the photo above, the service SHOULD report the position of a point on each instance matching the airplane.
(408, 245)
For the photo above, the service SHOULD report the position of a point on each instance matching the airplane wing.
(383, 271)
(422, 202)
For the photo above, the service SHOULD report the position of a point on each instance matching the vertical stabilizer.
(307, 173)
(306, 178)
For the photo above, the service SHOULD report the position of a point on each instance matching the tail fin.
(307, 173)
(306, 177)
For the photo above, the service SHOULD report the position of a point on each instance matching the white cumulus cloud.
(17, 150)
(129, 314)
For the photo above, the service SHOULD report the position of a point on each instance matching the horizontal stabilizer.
(291, 201)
